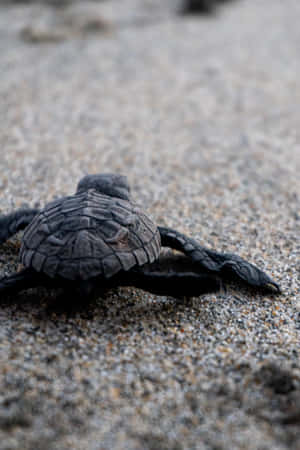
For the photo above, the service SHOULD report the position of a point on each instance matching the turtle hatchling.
(99, 238)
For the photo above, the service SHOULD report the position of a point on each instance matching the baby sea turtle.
(200, 6)
(98, 238)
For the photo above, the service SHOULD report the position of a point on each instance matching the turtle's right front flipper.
(10, 224)
(225, 265)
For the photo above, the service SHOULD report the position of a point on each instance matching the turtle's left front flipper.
(11, 223)
(226, 265)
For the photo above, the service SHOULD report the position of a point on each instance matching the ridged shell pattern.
(87, 235)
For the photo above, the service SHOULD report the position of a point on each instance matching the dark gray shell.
(87, 235)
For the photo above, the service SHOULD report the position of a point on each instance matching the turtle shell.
(87, 235)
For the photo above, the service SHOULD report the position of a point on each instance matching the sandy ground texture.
(202, 114)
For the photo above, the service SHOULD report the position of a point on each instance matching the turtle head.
(110, 184)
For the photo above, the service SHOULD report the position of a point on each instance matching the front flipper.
(20, 281)
(226, 265)
(10, 224)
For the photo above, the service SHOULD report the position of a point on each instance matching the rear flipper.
(10, 224)
(178, 285)
(19, 281)
(170, 275)
(228, 266)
